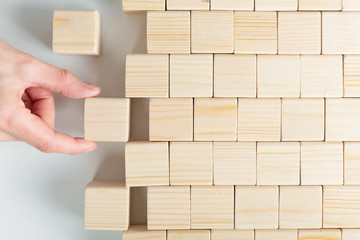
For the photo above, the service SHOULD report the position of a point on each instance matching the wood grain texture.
(276, 5)
(76, 32)
(191, 163)
(107, 119)
(219, 34)
(171, 119)
(188, 4)
(352, 163)
(350, 234)
(256, 207)
(107, 206)
(232, 5)
(168, 32)
(147, 76)
(191, 75)
(168, 207)
(259, 119)
(276, 234)
(188, 235)
(300, 207)
(255, 32)
(234, 234)
(303, 119)
(314, 5)
(278, 75)
(146, 163)
(299, 32)
(322, 234)
(142, 5)
(140, 232)
(352, 76)
(351, 5)
(212, 207)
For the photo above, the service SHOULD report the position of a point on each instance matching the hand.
(27, 109)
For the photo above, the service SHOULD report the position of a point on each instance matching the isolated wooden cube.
(303, 119)
(255, 32)
(212, 207)
(278, 75)
(316, 5)
(256, 207)
(147, 76)
(352, 76)
(168, 32)
(321, 163)
(107, 119)
(171, 119)
(76, 32)
(188, 234)
(215, 119)
(278, 163)
(191, 163)
(276, 5)
(352, 163)
(278, 234)
(350, 5)
(147, 163)
(333, 234)
(259, 119)
(212, 32)
(168, 207)
(299, 32)
(350, 234)
(142, 5)
(221, 234)
(234, 163)
(300, 207)
(140, 232)
(232, 5)
(187, 5)
(191, 75)
(107, 206)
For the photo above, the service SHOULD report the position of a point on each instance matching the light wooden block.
(107, 206)
(278, 75)
(299, 32)
(300, 207)
(168, 32)
(259, 119)
(147, 76)
(76, 32)
(235, 234)
(321, 234)
(278, 163)
(234, 163)
(168, 208)
(256, 207)
(303, 119)
(142, 5)
(191, 75)
(321, 163)
(147, 163)
(321, 76)
(350, 234)
(215, 119)
(107, 119)
(342, 119)
(276, 234)
(188, 4)
(316, 5)
(352, 76)
(232, 5)
(352, 163)
(219, 34)
(350, 5)
(212, 207)
(191, 163)
(171, 119)
(140, 232)
(276, 5)
(255, 32)
(188, 235)
(340, 33)
(341, 207)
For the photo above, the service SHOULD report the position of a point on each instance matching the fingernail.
(92, 148)
(90, 86)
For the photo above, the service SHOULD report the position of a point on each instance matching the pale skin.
(27, 108)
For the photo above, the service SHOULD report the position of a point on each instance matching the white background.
(42, 195)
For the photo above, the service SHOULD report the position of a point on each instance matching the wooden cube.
(351, 76)
(352, 163)
(342, 119)
(316, 5)
(215, 119)
(321, 163)
(276, 5)
(255, 32)
(191, 75)
(232, 5)
(321, 76)
(142, 5)
(278, 163)
(76, 32)
(256, 207)
(147, 163)
(234, 163)
(212, 32)
(168, 208)
(303, 119)
(171, 119)
(276, 234)
(187, 5)
(350, 5)
(340, 33)
(300, 207)
(140, 232)
(278, 75)
(147, 76)
(191, 163)
(107, 119)
(168, 32)
(234, 234)
(299, 32)
(212, 207)
(321, 234)
(341, 207)
(188, 235)
(107, 206)
(350, 234)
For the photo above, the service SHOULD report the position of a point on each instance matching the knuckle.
(47, 147)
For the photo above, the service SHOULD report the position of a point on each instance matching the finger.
(27, 100)
(6, 137)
